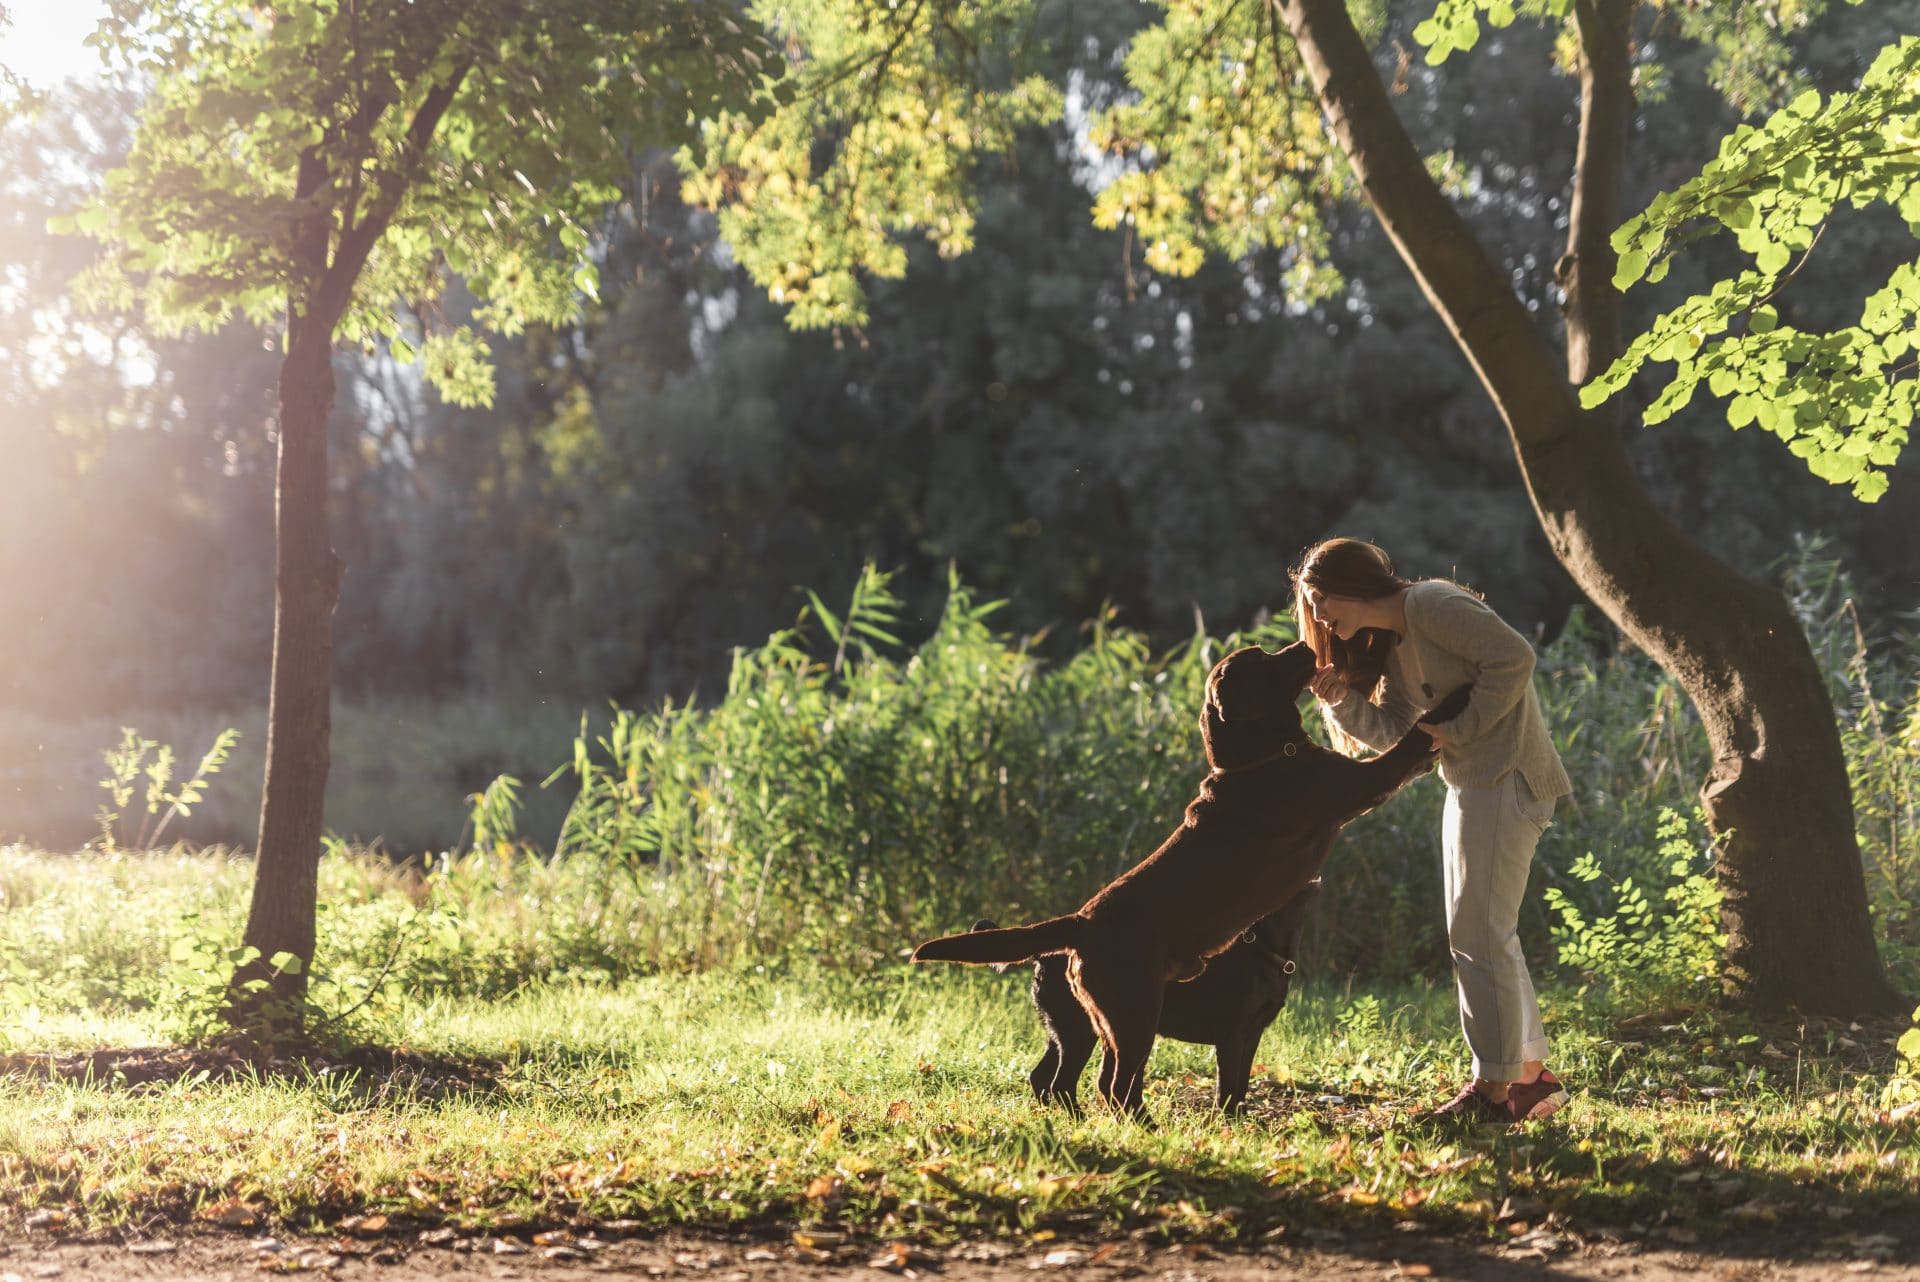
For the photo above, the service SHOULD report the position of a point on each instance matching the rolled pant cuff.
(1491, 1072)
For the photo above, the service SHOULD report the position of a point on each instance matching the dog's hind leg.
(1123, 998)
(1070, 1037)
(1056, 1079)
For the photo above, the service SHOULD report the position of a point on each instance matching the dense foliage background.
(1046, 416)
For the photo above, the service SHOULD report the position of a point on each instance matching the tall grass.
(850, 795)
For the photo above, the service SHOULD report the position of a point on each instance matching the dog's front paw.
(1450, 707)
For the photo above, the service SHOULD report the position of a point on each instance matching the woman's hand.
(1441, 738)
(1327, 685)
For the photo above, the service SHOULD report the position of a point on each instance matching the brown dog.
(1227, 1008)
(1259, 831)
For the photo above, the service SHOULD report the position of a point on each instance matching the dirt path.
(229, 1258)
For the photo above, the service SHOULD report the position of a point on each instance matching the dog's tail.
(1012, 944)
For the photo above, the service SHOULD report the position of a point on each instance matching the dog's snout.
(1298, 664)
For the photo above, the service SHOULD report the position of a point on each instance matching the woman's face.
(1343, 617)
(1339, 615)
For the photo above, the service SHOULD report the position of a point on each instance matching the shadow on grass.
(369, 1071)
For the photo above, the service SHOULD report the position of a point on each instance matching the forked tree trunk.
(1799, 933)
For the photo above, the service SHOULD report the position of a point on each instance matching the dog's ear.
(1216, 679)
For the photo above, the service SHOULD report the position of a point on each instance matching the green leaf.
(1632, 266)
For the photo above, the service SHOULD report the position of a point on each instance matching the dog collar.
(1290, 748)
(1251, 938)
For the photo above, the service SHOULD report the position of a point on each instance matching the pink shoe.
(1531, 1101)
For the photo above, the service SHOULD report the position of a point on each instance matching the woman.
(1388, 650)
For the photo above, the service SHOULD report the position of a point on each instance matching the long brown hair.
(1359, 571)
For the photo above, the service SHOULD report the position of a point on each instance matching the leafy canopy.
(1223, 146)
(1842, 400)
(420, 139)
(1752, 54)
(888, 105)
(894, 102)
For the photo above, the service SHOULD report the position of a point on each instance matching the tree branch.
(1591, 304)
(357, 241)
(1471, 295)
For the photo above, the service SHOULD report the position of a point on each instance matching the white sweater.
(1452, 638)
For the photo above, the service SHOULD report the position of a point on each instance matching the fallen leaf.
(231, 1213)
(507, 1246)
(1412, 1270)
(1063, 1258)
(817, 1239)
(46, 1220)
(897, 1257)
(364, 1225)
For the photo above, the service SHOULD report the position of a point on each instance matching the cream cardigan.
(1452, 638)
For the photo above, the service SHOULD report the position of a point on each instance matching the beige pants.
(1487, 839)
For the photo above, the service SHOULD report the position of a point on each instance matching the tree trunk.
(299, 714)
(265, 1000)
(1799, 933)
(307, 570)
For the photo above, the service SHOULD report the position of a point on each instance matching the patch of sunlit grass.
(895, 1104)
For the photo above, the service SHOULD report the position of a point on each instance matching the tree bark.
(265, 1000)
(1799, 933)
(262, 999)
(299, 714)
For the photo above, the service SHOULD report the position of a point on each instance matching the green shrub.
(849, 805)
(1660, 943)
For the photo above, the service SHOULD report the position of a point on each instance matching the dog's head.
(1252, 703)
(1279, 933)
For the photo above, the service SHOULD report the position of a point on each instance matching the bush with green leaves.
(849, 794)
(1659, 943)
(851, 801)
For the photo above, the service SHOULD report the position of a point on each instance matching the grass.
(892, 1104)
(694, 1011)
